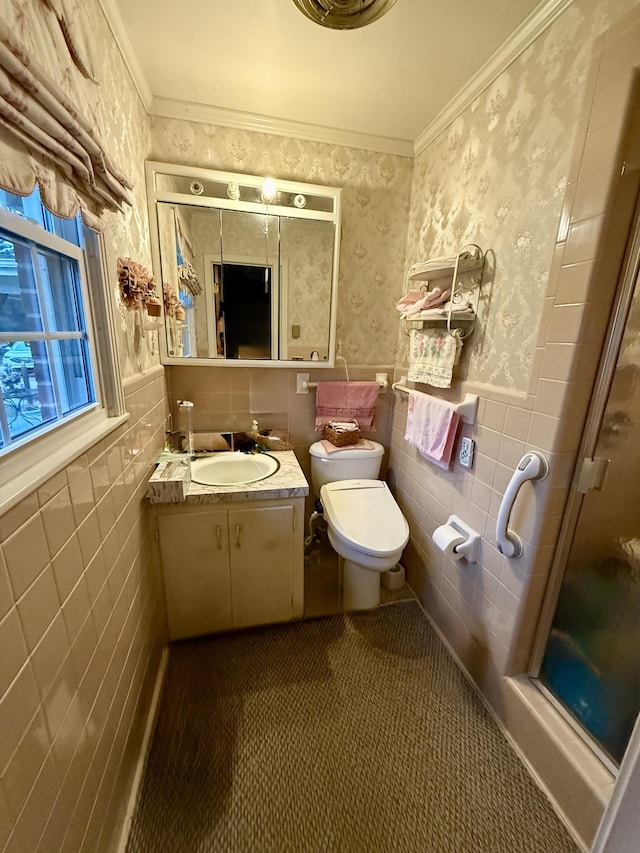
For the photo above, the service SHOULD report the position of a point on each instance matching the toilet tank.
(344, 464)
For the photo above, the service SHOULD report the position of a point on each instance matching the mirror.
(249, 270)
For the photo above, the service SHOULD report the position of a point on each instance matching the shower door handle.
(592, 474)
(532, 466)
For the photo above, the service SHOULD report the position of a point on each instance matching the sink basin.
(233, 469)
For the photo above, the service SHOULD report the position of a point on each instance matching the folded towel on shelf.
(344, 400)
(464, 306)
(461, 308)
(431, 427)
(420, 300)
(433, 353)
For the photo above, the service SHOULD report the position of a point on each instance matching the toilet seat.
(364, 517)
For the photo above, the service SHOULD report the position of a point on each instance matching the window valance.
(49, 113)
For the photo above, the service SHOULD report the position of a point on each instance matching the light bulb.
(268, 190)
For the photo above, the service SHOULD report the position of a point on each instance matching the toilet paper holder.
(457, 539)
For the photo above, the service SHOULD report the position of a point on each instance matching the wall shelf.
(467, 267)
(463, 320)
(437, 268)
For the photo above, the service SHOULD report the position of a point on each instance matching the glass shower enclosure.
(590, 662)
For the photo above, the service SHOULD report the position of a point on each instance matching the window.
(47, 362)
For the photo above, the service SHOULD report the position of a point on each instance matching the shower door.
(590, 662)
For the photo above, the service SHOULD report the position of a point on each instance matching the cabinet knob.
(219, 536)
(238, 530)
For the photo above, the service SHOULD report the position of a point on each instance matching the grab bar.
(532, 466)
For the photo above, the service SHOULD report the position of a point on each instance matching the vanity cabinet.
(231, 567)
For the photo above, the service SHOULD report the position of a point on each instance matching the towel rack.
(303, 385)
(467, 408)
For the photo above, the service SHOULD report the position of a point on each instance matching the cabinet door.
(194, 548)
(260, 545)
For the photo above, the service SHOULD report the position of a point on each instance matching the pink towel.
(431, 427)
(421, 300)
(346, 400)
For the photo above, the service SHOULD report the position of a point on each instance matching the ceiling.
(263, 57)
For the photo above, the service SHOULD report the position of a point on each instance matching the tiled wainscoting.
(488, 611)
(81, 636)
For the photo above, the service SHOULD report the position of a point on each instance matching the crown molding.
(517, 43)
(206, 114)
(121, 37)
(522, 37)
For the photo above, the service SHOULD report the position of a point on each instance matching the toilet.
(364, 523)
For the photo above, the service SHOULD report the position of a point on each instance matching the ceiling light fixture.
(344, 14)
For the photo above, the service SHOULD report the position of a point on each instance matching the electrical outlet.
(465, 456)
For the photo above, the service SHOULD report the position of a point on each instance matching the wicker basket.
(342, 439)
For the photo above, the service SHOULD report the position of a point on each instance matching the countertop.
(287, 482)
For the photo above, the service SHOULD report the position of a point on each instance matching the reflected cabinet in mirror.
(248, 265)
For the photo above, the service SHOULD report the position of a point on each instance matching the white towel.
(433, 353)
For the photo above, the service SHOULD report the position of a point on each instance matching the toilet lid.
(365, 514)
(318, 449)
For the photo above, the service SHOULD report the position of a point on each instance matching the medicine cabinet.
(248, 267)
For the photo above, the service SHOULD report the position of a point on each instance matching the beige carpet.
(347, 733)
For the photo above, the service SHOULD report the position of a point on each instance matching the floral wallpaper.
(306, 249)
(111, 103)
(124, 126)
(496, 176)
(375, 210)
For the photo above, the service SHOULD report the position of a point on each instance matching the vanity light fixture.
(344, 14)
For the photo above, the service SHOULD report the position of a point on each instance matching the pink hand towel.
(344, 400)
(421, 300)
(431, 427)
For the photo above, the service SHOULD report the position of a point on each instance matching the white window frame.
(28, 462)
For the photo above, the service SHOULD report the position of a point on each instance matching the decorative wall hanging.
(189, 278)
(137, 287)
(173, 307)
